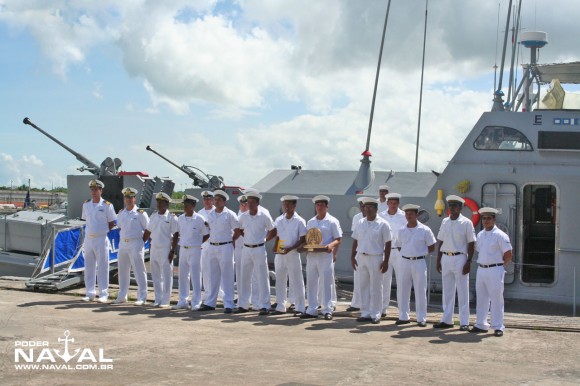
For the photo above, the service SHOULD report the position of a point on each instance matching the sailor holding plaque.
(322, 237)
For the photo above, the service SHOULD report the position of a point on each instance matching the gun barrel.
(197, 180)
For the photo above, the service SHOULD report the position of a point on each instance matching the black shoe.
(399, 322)
(421, 324)
(273, 306)
(464, 328)
(276, 312)
(228, 311)
(442, 325)
(263, 311)
(352, 309)
(383, 315)
(306, 315)
(204, 307)
(477, 330)
(328, 316)
(363, 319)
(298, 314)
(241, 310)
(498, 333)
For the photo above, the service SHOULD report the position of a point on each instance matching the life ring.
(474, 210)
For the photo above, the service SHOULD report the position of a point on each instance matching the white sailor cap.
(163, 197)
(394, 196)
(189, 197)
(384, 187)
(222, 194)
(321, 197)
(360, 199)
(288, 198)
(410, 207)
(488, 210)
(96, 184)
(129, 192)
(453, 197)
(253, 195)
(370, 201)
(206, 193)
(243, 199)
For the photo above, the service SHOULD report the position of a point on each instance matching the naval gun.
(200, 179)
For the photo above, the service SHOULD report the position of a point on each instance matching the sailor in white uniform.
(456, 246)
(100, 217)
(355, 301)
(162, 226)
(132, 221)
(414, 241)
(383, 191)
(494, 252)
(255, 225)
(192, 232)
(396, 219)
(370, 253)
(290, 232)
(224, 230)
(319, 270)
(208, 207)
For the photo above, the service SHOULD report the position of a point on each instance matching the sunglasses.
(454, 204)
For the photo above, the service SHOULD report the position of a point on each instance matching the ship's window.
(502, 138)
(559, 140)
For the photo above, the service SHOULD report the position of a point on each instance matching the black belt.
(253, 245)
(224, 243)
(491, 265)
(413, 258)
(371, 254)
(453, 253)
(394, 248)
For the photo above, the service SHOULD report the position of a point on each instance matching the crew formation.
(385, 241)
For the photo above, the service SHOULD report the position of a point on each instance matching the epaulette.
(141, 210)
(107, 202)
(88, 200)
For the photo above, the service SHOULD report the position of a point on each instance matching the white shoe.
(119, 301)
(103, 299)
(179, 307)
(139, 303)
(163, 306)
(156, 304)
(195, 308)
(88, 299)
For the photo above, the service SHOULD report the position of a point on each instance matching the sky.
(240, 88)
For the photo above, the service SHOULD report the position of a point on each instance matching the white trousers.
(371, 285)
(254, 262)
(453, 279)
(413, 273)
(220, 265)
(319, 273)
(189, 275)
(489, 289)
(355, 301)
(238, 266)
(333, 298)
(289, 269)
(96, 253)
(388, 280)
(161, 273)
(132, 255)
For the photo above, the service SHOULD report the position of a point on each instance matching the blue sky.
(239, 88)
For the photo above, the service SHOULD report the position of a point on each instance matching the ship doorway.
(539, 234)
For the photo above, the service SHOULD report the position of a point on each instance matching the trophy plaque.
(279, 246)
(314, 241)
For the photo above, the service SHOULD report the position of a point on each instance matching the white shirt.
(239, 243)
(414, 242)
(255, 227)
(355, 221)
(491, 245)
(162, 228)
(191, 230)
(396, 222)
(456, 234)
(371, 236)
(329, 226)
(382, 206)
(98, 216)
(132, 223)
(289, 230)
(205, 213)
(222, 225)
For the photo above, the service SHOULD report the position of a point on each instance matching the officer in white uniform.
(456, 245)
(100, 217)
(319, 270)
(132, 221)
(355, 301)
(224, 230)
(383, 191)
(396, 219)
(162, 226)
(255, 225)
(290, 232)
(494, 252)
(192, 232)
(370, 253)
(208, 207)
(239, 244)
(414, 241)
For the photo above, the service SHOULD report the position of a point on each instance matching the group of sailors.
(219, 249)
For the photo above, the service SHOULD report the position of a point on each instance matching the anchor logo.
(66, 356)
